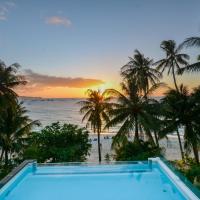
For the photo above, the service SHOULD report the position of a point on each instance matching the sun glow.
(104, 86)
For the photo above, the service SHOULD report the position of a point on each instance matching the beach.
(170, 147)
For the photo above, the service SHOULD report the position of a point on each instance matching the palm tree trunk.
(150, 137)
(136, 139)
(156, 138)
(2, 152)
(174, 78)
(180, 144)
(193, 142)
(6, 157)
(196, 152)
(99, 145)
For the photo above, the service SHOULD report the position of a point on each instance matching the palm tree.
(15, 126)
(9, 78)
(173, 60)
(132, 111)
(95, 109)
(182, 109)
(192, 42)
(193, 139)
(170, 112)
(140, 68)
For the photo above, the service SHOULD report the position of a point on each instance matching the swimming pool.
(119, 181)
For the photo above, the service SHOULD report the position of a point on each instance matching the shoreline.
(170, 145)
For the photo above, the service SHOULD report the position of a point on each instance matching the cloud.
(5, 8)
(41, 81)
(10, 3)
(3, 12)
(57, 20)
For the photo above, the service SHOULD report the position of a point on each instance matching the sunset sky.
(65, 47)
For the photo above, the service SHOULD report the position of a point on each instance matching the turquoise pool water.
(100, 182)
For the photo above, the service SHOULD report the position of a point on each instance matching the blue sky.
(92, 39)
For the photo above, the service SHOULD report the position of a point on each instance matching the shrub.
(193, 174)
(189, 169)
(132, 151)
(107, 157)
(59, 143)
(4, 170)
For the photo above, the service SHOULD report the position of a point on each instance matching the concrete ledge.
(15, 171)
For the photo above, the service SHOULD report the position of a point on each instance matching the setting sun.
(104, 86)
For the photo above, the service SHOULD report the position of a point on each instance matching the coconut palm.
(140, 68)
(95, 109)
(192, 42)
(15, 126)
(173, 60)
(182, 109)
(193, 138)
(132, 112)
(9, 78)
(170, 112)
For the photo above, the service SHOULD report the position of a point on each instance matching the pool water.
(105, 182)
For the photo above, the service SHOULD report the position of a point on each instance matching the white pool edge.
(175, 179)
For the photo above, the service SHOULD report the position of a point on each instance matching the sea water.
(50, 110)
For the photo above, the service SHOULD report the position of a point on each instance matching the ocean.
(64, 110)
(49, 110)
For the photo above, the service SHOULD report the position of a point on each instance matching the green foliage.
(180, 108)
(95, 109)
(107, 157)
(190, 169)
(132, 151)
(173, 60)
(59, 143)
(9, 78)
(191, 42)
(4, 170)
(15, 126)
(193, 173)
(133, 112)
(140, 69)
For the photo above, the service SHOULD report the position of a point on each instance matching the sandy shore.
(171, 146)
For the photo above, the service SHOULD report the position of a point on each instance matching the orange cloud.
(57, 20)
(35, 79)
(54, 86)
(58, 92)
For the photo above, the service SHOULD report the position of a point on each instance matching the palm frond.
(122, 134)
(195, 67)
(191, 41)
(155, 87)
